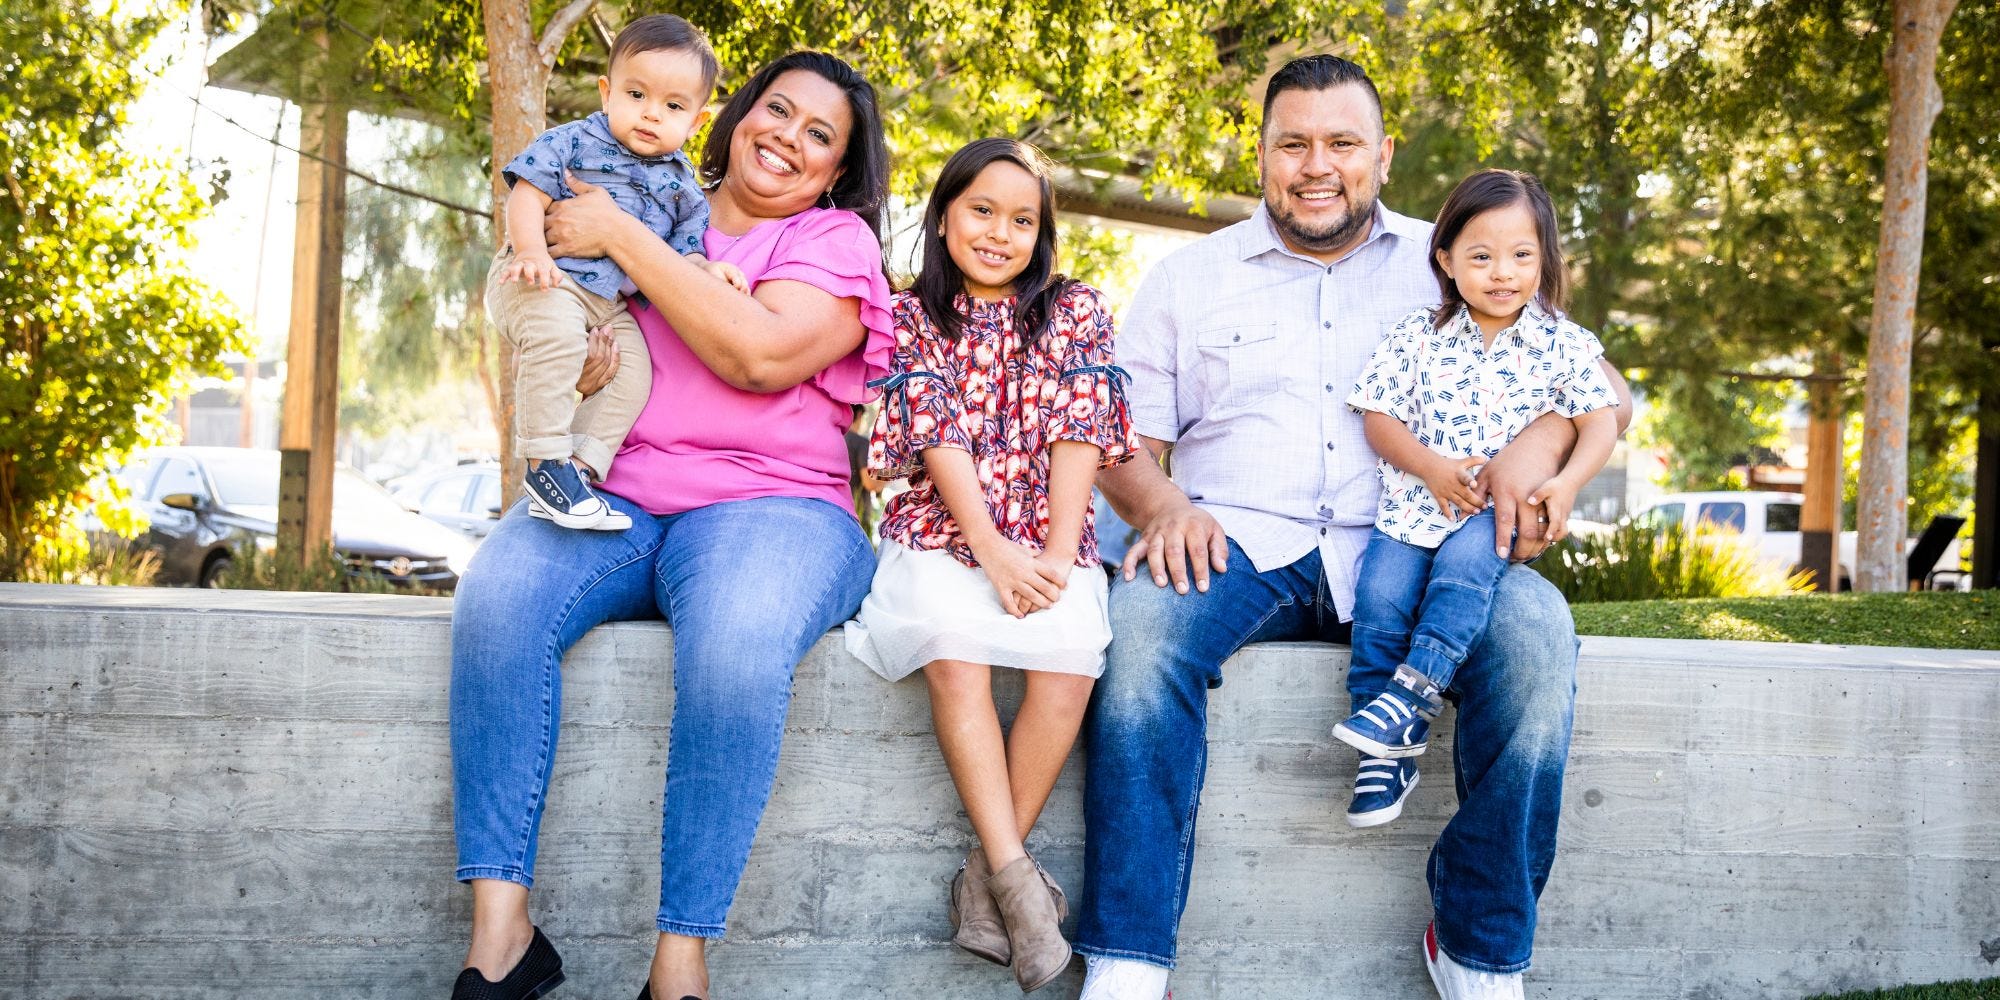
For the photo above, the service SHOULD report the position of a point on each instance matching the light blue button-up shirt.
(1242, 355)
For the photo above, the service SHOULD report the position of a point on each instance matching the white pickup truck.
(1768, 521)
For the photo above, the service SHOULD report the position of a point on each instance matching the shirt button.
(1237, 338)
(1326, 324)
(1329, 387)
(1322, 532)
(1329, 446)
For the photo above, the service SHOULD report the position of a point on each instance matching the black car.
(205, 502)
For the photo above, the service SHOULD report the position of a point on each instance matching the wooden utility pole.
(1914, 103)
(312, 355)
(1819, 520)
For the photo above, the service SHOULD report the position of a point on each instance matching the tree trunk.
(519, 85)
(1914, 103)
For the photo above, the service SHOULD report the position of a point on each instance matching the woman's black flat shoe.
(538, 972)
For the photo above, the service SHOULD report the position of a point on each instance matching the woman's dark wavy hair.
(1484, 192)
(863, 186)
(940, 282)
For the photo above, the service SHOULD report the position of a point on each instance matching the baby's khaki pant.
(550, 328)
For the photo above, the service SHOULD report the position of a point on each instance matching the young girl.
(1446, 390)
(1003, 405)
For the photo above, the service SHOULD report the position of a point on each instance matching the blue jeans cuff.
(467, 873)
(1507, 968)
(1130, 956)
(690, 930)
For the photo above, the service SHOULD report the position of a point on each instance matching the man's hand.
(600, 362)
(1181, 544)
(539, 270)
(1508, 480)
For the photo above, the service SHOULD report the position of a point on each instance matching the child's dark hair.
(667, 33)
(940, 282)
(1484, 192)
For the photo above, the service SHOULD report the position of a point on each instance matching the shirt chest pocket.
(1240, 363)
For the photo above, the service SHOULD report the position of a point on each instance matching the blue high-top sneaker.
(1379, 790)
(1397, 723)
(558, 492)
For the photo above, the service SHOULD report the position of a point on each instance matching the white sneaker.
(1456, 982)
(1123, 979)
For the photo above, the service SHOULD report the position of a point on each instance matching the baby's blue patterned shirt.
(660, 191)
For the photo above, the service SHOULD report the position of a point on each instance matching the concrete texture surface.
(212, 794)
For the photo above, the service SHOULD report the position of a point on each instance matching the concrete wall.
(213, 794)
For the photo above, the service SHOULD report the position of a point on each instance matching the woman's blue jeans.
(747, 587)
(1147, 745)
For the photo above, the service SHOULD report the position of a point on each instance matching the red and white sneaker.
(1456, 982)
(1123, 979)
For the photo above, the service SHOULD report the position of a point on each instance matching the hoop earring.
(828, 196)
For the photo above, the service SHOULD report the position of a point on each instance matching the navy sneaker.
(556, 491)
(1397, 723)
(1379, 790)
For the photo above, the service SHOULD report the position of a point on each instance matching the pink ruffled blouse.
(701, 441)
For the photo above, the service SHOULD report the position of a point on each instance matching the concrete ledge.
(227, 794)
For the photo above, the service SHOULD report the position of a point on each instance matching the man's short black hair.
(1320, 73)
(667, 32)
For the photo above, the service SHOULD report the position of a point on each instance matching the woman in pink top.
(743, 533)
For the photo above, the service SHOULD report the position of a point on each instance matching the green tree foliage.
(101, 319)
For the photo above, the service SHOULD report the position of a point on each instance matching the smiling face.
(655, 99)
(1496, 263)
(1323, 158)
(991, 227)
(786, 152)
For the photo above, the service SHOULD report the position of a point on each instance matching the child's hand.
(1450, 480)
(1056, 566)
(539, 270)
(1025, 584)
(729, 273)
(1555, 498)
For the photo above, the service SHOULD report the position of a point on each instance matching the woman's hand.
(586, 226)
(1023, 583)
(600, 363)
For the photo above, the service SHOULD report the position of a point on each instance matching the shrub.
(1635, 562)
(68, 555)
(251, 568)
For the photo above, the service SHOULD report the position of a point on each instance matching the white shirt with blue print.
(1462, 400)
(659, 191)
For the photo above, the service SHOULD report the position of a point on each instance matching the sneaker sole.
(606, 520)
(1386, 814)
(1374, 748)
(1430, 964)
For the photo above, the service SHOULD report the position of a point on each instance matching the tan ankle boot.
(975, 918)
(1034, 933)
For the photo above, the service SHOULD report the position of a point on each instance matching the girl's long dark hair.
(863, 186)
(940, 281)
(1481, 193)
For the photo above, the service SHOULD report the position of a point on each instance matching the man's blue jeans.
(747, 587)
(1424, 607)
(1148, 751)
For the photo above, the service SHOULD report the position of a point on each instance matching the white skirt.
(926, 606)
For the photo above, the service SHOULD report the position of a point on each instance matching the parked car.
(464, 498)
(1767, 520)
(204, 502)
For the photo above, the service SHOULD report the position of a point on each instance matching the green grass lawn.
(1946, 620)
(1984, 989)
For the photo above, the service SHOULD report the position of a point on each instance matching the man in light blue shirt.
(1243, 348)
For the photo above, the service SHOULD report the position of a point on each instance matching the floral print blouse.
(1002, 403)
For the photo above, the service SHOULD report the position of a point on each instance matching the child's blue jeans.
(1424, 607)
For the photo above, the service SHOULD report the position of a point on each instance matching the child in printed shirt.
(1003, 405)
(655, 90)
(1445, 391)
